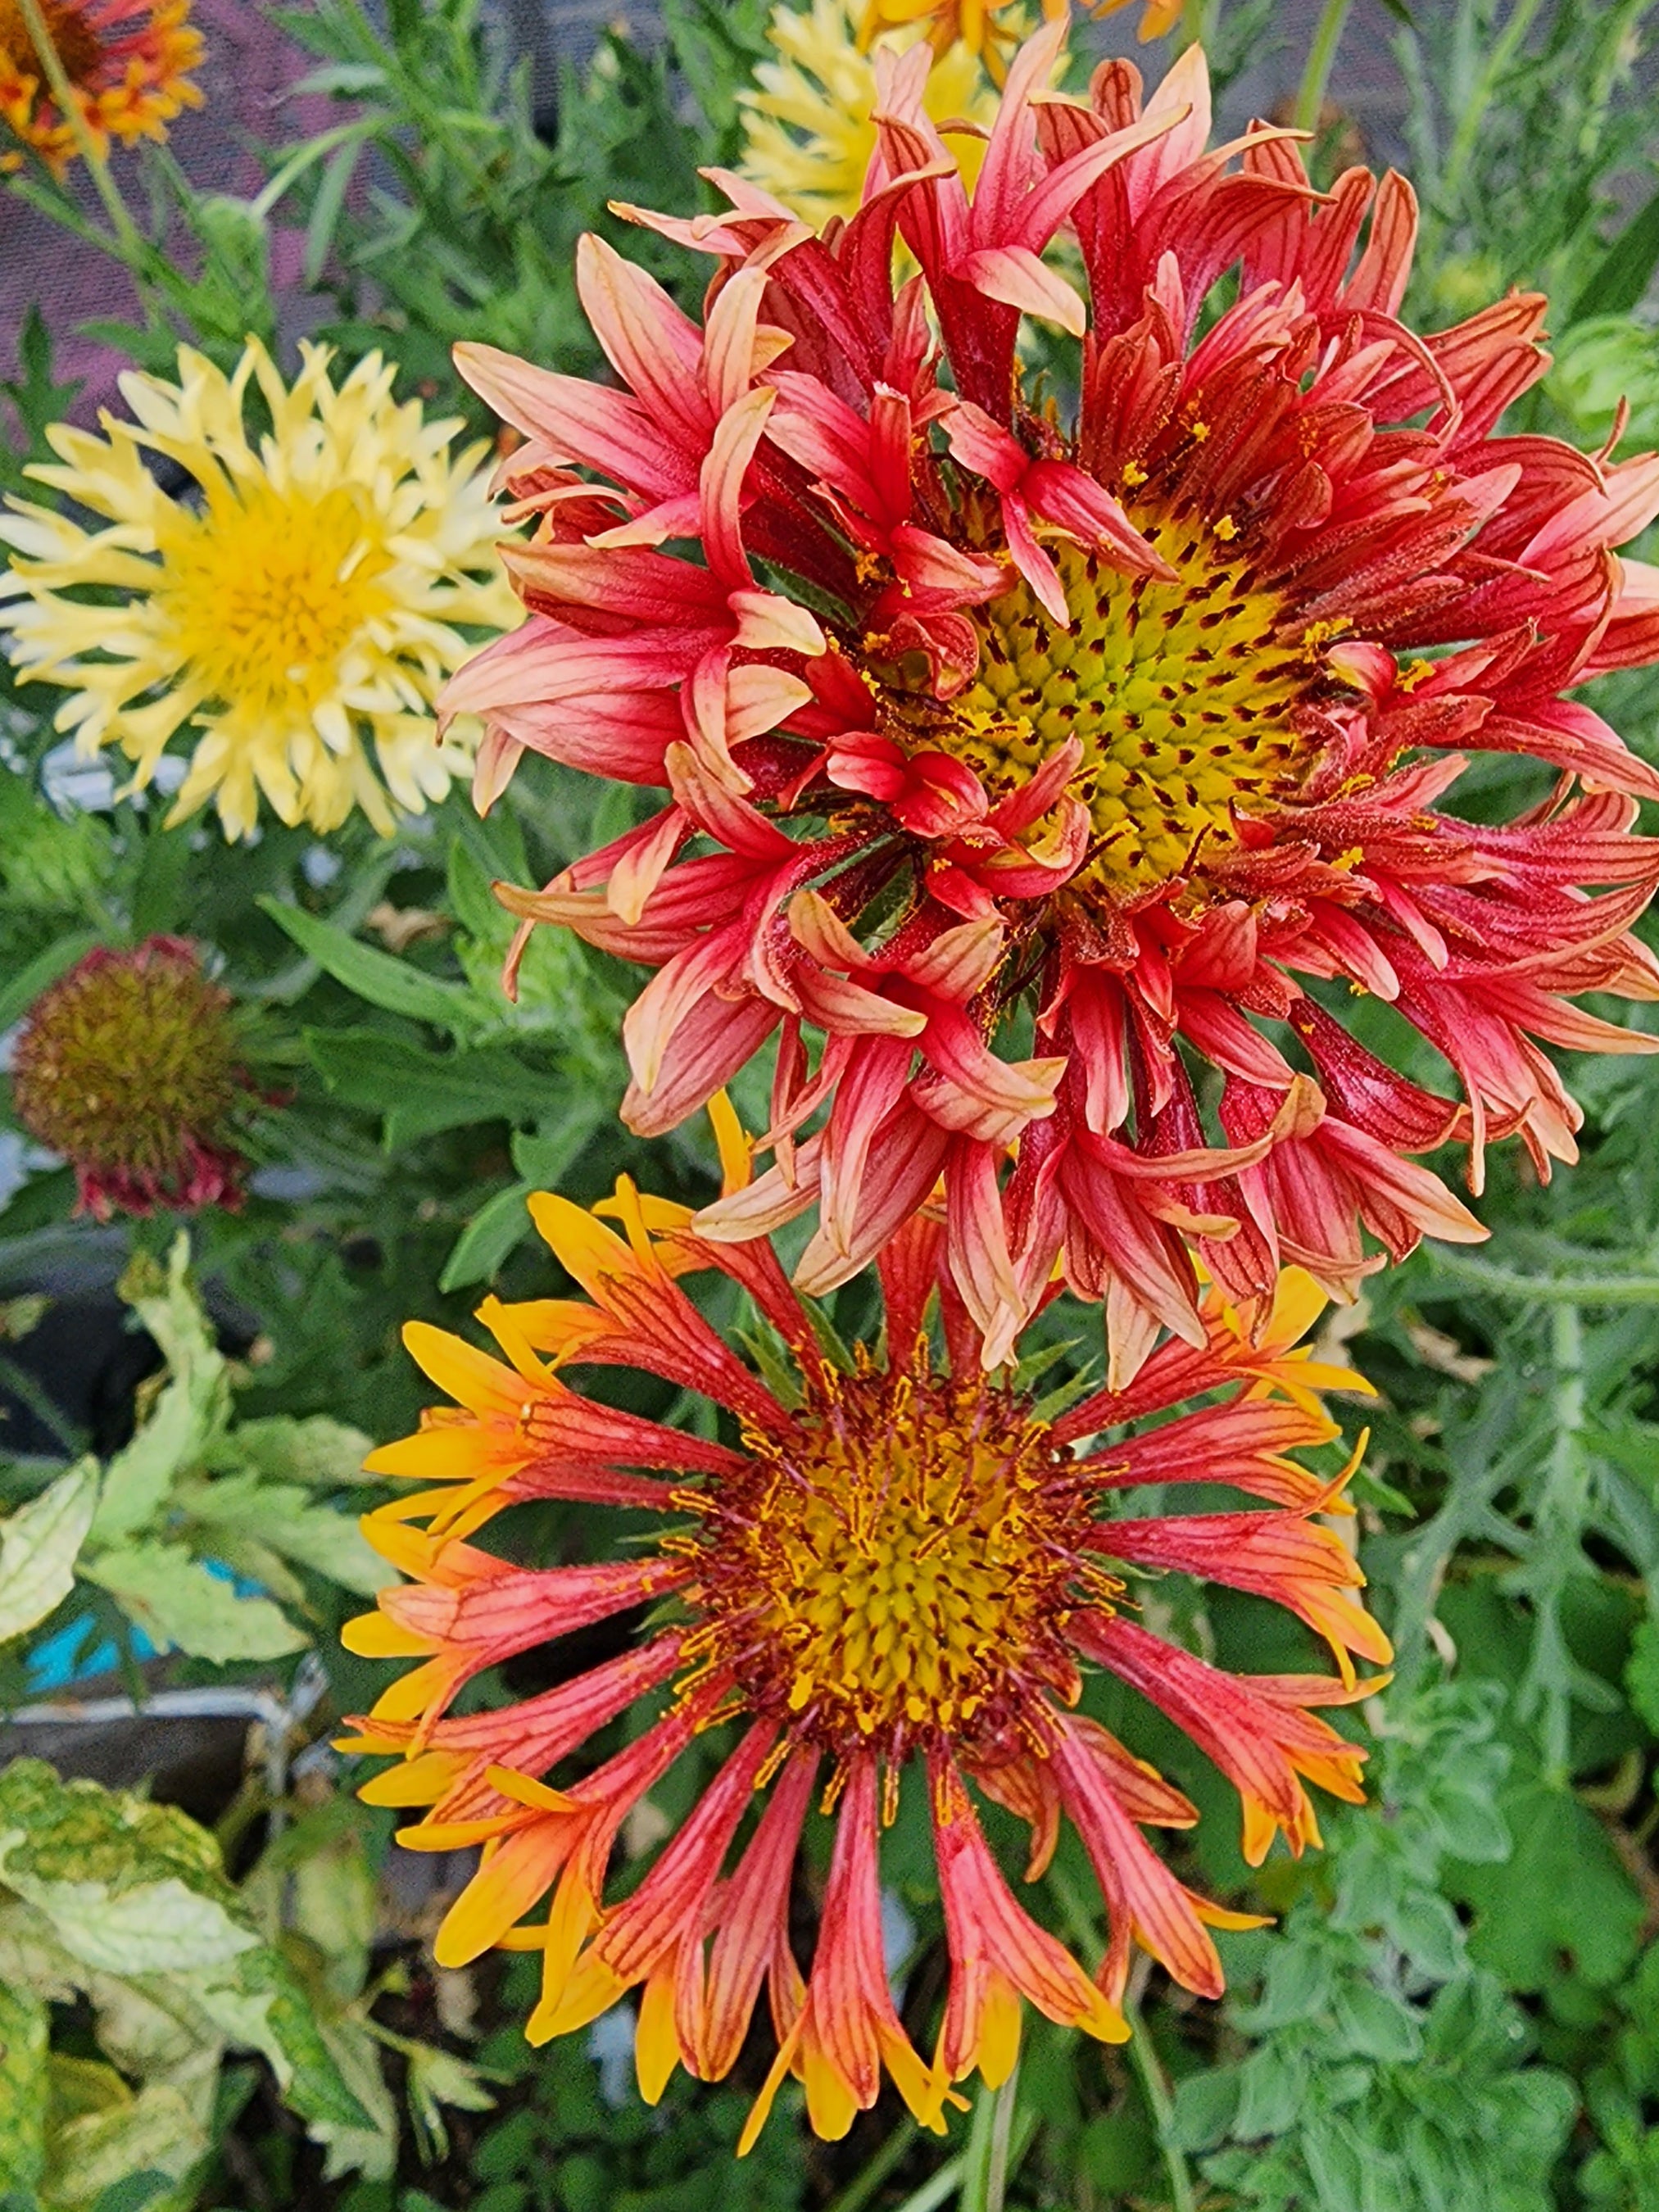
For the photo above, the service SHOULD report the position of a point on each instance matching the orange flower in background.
(130, 64)
(993, 28)
(894, 1577)
(1018, 756)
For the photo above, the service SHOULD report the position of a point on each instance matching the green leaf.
(18, 995)
(1563, 1894)
(383, 981)
(542, 1155)
(282, 1515)
(262, 2004)
(182, 1606)
(127, 1901)
(154, 2131)
(22, 2088)
(1642, 1672)
(495, 1230)
(317, 1450)
(434, 2079)
(419, 1093)
(192, 1408)
(128, 1888)
(39, 1546)
(1621, 277)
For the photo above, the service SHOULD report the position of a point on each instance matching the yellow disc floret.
(912, 1570)
(1185, 700)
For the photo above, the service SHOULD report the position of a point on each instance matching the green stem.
(1327, 36)
(1142, 2055)
(938, 2187)
(1550, 1289)
(1558, 1527)
(1467, 135)
(863, 2186)
(984, 2176)
(130, 244)
(1155, 2088)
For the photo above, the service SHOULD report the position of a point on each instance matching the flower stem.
(132, 246)
(1549, 1290)
(865, 2184)
(1155, 2088)
(1139, 2050)
(1469, 123)
(985, 2177)
(1327, 36)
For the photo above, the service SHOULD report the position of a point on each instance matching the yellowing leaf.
(39, 1546)
(181, 1607)
(192, 1410)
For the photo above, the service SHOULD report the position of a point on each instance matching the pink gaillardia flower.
(1020, 759)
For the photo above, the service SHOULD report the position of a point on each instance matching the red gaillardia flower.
(128, 62)
(897, 1567)
(1026, 755)
(128, 1066)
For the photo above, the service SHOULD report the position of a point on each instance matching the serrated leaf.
(368, 2145)
(394, 985)
(39, 1546)
(262, 2005)
(182, 1606)
(127, 1887)
(1562, 1898)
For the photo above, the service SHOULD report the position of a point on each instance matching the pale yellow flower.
(808, 136)
(294, 611)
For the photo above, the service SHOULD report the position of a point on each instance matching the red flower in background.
(1026, 758)
(898, 1567)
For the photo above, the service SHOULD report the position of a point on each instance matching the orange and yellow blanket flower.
(889, 1570)
(128, 63)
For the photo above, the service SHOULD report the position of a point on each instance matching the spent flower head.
(130, 1067)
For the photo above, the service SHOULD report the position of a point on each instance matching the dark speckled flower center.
(1184, 699)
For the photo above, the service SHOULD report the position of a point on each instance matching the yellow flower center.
(1183, 698)
(71, 34)
(266, 592)
(905, 1564)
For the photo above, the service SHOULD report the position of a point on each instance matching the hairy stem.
(130, 243)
